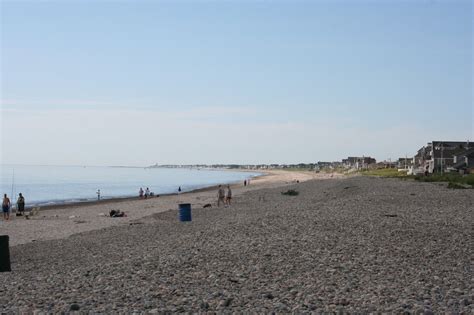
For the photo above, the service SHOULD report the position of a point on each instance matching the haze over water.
(58, 184)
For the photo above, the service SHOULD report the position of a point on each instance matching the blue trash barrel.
(184, 212)
(4, 254)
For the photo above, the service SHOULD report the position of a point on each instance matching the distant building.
(404, 163)
(323, 165)
(358, 162)
(464, 161)
(387, 164)
(443, 153)
(439, 156)
(350, 162)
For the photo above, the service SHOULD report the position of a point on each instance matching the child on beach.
(220, 196)
(6, 207)
(21, 205)
(140, 193)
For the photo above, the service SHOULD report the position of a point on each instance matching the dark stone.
(75, 307)
(268, 296)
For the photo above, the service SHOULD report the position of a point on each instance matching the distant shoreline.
(75, 204)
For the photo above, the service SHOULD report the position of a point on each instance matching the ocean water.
(43, 185)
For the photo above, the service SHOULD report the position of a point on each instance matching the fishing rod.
(13, 185)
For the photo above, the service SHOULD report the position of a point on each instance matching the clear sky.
(144, 82)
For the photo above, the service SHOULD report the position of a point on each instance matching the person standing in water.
(6, 207)
(21, 204)
(179, 189)
(98, 194)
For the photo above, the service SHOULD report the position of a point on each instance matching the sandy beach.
(61, 221)
(352, 245)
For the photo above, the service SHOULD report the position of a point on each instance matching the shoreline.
(89, 202)
(63, 221)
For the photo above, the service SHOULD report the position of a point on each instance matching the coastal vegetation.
(384, 172)
(454, 180)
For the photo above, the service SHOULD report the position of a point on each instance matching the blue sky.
(139, 82)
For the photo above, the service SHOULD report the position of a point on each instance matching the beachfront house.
(358, 162)
(464, 162)
(421, 160)
(443, 153)
(350, 162)
(439, 156)
(404, 163)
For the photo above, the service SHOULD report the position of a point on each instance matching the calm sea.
(42, 185)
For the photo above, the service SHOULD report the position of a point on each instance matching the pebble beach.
(342, 245)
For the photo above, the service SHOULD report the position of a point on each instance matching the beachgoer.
(229, 195)
(147, 192)
(179, 189)
(21, 204)
(140, 193)
(220, 196)
(117, 214)
(98, 194)
(6, 207)
(245, 182)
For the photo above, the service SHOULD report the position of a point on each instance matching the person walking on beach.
(245, 182)
(220, 196)
(21, 204)
(140, 193)
(6, 207)
(98, 194)
(147, 193)
(229, 195)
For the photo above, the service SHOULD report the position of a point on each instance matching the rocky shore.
(356, 245)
